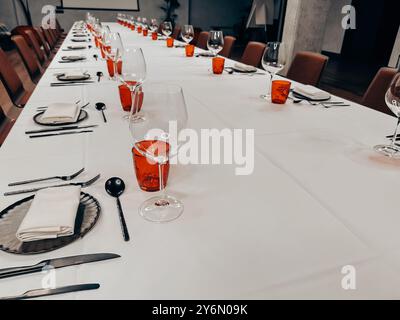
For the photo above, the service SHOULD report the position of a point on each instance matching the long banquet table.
(319, 198)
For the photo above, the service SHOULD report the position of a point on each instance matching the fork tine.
(91, 181)
(72, 176)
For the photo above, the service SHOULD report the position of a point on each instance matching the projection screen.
(101, 4)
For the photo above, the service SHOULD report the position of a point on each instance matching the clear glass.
(273, 61)
(392, 150)
(115, 48)
(167, 28)
(187, 33)
(133, 75)
(215, 42)
(144, 23)
(166, 104)
(153, 25)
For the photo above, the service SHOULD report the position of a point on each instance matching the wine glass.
(167, 28)
(215, 42)
(392, 150)
(155, 143)
(113, 50)
(187, 33)
(273, 61)
(144, 22)
(153, 25)
(133, 75)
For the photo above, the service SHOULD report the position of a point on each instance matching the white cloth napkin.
(74, 75)
(52, 214)
(74, 58)
(61, 113)
(244, 67)
(312, 92)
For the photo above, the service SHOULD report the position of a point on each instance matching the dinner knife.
(57, 263)
(59, 134)
(60, 129)
(51, 292)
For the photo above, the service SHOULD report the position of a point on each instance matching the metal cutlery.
(81, 184)
(56, 264)
(70, 84)
(64, 178)
(51, 292)
(60, 129)
(60, 134)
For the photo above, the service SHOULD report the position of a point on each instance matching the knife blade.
(51, 292)
(62, 133)
(60, 129)
(57, 263)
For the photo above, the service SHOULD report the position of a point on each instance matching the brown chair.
(197, 32)
(43, 42)
(307, 68)
(228, 45)
(40, 54)
(49, 39)
(203, 39)
(374, 97)
(5, 126)
(253, 54)
(28, 57)
(177, 32)
(12, 83)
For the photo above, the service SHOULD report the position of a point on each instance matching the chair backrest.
(36, 46)
(177, 32)
(10, 78)
(2, 116)
(28, 57)
(228, 45)
(203, 39)
(307, 68)
(253, 54)
(374, 97)
(49, 38)
(197, 32)
(43, 41)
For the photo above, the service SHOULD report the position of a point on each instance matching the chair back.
(36, 46)
(10, 78)
(177, 32)
(228, 45)
(253, 54)
(203, 39)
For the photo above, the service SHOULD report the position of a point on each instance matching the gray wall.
(396, 52)
(148, 8)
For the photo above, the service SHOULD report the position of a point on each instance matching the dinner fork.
(80, 184)
(64, 178)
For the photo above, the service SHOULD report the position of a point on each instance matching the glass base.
(138, 118)
(266, 97)
(388, 150)
(161, 209)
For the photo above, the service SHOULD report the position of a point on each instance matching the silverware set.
(70, 83)
(325, 104)
(56, 264)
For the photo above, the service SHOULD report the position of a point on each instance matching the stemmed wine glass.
(187, 33)
(155, 141)
(215, 42)
(392, 150)
(133, 76)
(273, 61)
(167, 28)
(113, 50)
(153, 25)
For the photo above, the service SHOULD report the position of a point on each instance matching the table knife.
(60, 129)
(51, 292)
(57, 263)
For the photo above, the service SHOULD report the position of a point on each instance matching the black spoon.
(100, 106)
(95, 56)
(115, 187)
(99, 75)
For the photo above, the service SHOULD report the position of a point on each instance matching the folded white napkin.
(61, 113)
(74, 75)
(76, 47)
(312, 92)
(244, 67)
(74, 58)
(52, 214)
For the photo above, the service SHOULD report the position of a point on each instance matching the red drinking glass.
(154, 35)
(280, 91)
(189, 49)
(140, 29)
(145, 32)
(218, 64)
(126, 97)
(170, 42)
(147, 170)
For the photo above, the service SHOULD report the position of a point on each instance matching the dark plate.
(37, 118)
(76, 48)
(62, 77)
(300, 96)
(11, 218)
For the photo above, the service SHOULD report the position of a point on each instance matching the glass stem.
(395, 133)
(269, 86)
(115, 62)
(133, 103)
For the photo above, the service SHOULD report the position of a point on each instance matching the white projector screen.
(102, 4)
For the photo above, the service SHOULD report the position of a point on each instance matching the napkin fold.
(52, 214)
(61, 113)
(244, 67)
(311, 92)
(74, 75)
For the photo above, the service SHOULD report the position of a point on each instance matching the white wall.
(396, 52)
(334, 32)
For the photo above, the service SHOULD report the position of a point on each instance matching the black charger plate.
(11, 218)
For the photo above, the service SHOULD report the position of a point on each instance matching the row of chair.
(36, 47)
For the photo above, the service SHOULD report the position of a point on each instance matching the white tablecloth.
(319, 198)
